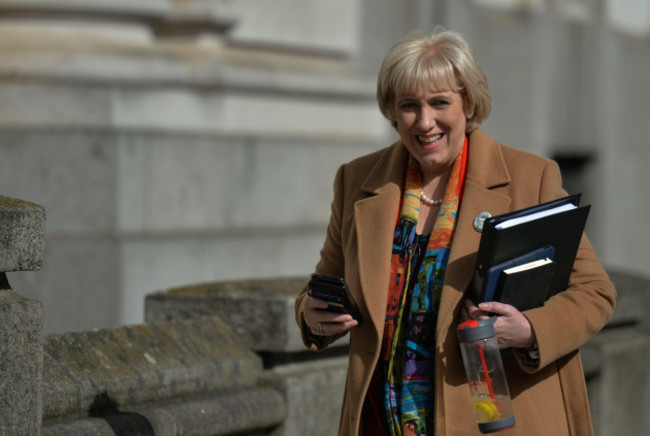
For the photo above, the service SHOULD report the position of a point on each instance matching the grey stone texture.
(143, 364)
(260, 312)
(254, 411)
(632, 300)
(165, 174)
(21, 363)
(190, 376)
(188, 371)
(22, 241)
(314, 392)
(615, 362)
(22, 235)
(620, 390)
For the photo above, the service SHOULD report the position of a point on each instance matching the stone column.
(22, 241)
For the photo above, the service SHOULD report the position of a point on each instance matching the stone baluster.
(22, 242)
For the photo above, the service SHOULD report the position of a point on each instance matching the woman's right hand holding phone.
(322, 322)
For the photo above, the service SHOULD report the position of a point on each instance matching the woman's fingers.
(497, 308)
(322, 322)
(473, 311)
(512, 328)
(333, 328)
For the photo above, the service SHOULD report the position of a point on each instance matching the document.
(533, 216)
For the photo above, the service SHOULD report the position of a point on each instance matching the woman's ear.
(467, 108)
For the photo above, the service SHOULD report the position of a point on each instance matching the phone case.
(335, 291)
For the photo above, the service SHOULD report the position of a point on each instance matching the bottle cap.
(473, 330)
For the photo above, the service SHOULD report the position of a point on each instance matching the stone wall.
(261, 313)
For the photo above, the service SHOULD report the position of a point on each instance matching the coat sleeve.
(572, 317)
(331, 263)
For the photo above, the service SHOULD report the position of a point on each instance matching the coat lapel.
(375, 218)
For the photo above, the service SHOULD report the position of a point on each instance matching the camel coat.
(549, 399)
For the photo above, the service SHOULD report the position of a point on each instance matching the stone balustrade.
(261, 313)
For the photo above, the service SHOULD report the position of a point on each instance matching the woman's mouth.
(429, 139)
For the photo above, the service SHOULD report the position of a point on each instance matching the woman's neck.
(434, 183)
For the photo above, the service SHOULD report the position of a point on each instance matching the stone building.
(182, 141)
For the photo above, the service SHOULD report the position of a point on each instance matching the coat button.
(480, 220)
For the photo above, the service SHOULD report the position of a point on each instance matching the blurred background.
(174, 142)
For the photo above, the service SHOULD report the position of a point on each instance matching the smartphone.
(335, 291)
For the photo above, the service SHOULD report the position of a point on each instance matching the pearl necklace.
(429, 202)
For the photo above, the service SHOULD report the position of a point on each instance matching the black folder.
(563, 231)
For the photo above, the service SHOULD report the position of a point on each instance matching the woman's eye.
(439, 103)
(407, 106)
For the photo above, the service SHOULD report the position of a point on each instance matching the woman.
(401, 233)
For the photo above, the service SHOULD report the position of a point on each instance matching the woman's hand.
(324, 323)
(511, 327)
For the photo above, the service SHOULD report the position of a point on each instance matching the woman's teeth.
(429, 139)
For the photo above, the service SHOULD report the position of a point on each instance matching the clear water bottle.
(485, 375)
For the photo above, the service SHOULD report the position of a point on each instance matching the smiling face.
(431, 124)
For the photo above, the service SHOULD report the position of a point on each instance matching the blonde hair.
(442, 59)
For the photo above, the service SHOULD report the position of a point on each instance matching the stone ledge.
(90, 56)
(216, 414)
(142, 364)
(46, 8)
(22, 235)
(211, 14)
(260, 312)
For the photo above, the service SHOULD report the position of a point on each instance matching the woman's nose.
(426, 119)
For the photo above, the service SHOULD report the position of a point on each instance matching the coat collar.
(376, 215)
